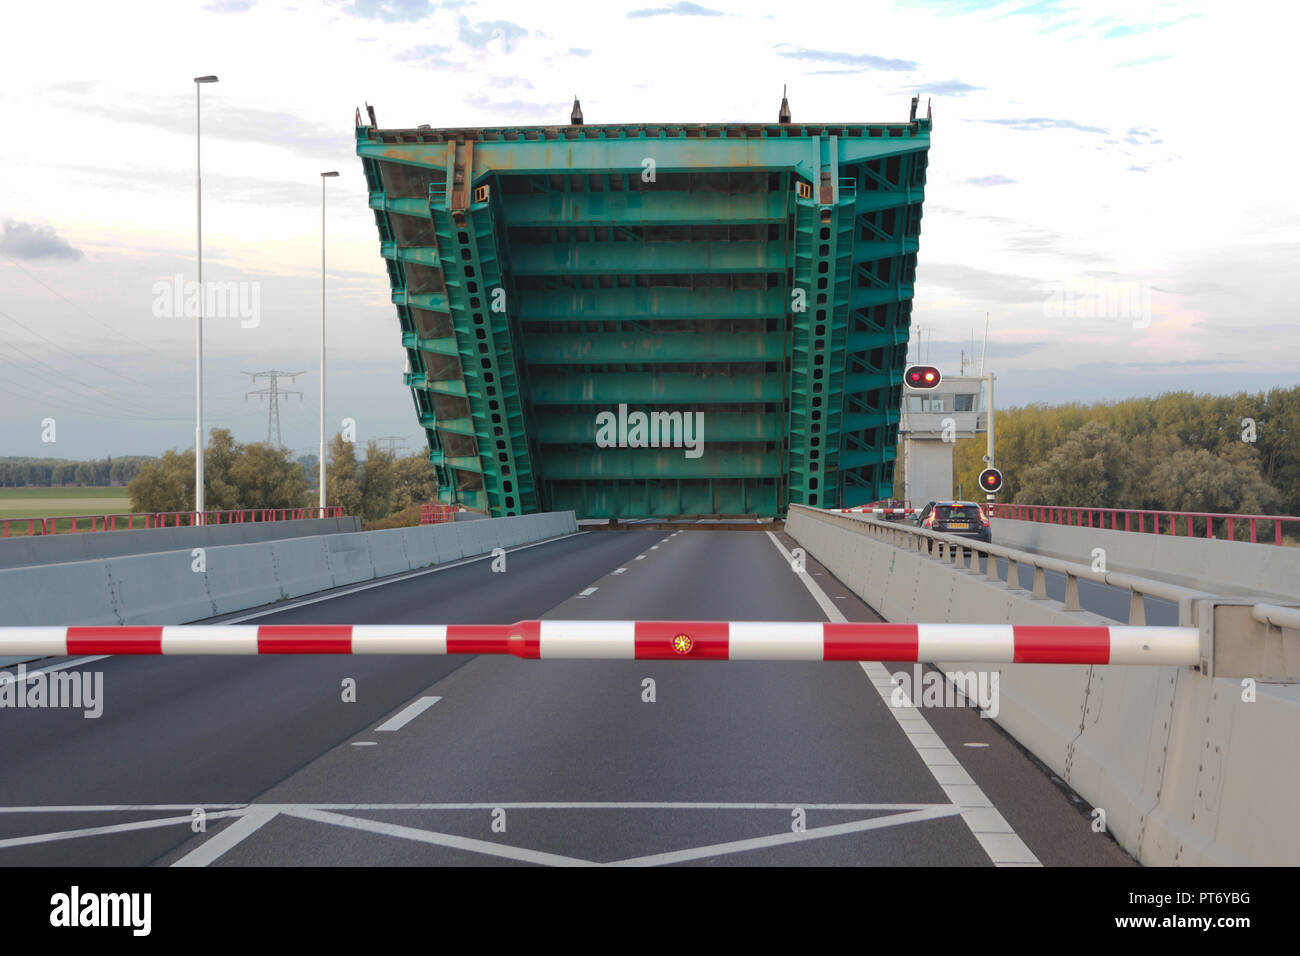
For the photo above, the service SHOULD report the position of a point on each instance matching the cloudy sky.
(1107, 183)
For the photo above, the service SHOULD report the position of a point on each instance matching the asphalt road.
(534, 762)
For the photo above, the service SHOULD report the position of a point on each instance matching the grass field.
(30, 502)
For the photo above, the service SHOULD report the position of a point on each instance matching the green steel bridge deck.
(763, 275)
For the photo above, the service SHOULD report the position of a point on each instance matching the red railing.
(1193, 523)
(436, 513)
(160, 519)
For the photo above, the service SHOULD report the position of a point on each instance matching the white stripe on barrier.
(942, 642)
(775, 641)
(37, 641)
(216, 640)
(399, 639)
(1153, 645)
(605, 640)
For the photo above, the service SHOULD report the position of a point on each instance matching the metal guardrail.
(160, 519)
(1148, 521)
(1276, 615)
(960, 552)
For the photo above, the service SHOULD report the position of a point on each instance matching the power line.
(392, 442)
(116, 331)
(87, 361)
(126, 405)
(273, 391)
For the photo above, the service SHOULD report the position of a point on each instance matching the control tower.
(932, 421)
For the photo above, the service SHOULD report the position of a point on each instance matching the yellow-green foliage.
(1179, 451)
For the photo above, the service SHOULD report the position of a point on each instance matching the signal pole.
(273, 391)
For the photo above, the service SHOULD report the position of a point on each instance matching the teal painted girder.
(634, 258)
(674, 294)
(641, 208)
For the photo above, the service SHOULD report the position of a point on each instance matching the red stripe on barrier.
(1061, 644)
(668, 640)
(880, 642)
(290, 639)
(479, 638)
(526, 639)
(115, 640)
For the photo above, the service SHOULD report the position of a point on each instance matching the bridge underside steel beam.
(755, 278)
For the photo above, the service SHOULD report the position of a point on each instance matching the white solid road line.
(239, 808)
(251, 821)
(407, 714)
(986, 824)
(28, 675)
(781, 839)
(111, 828)
(384, 582)
(438, 839)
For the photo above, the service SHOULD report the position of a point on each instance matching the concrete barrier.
(1187, 768)
(171, 587)
(1220, 567)
(299, 565)
(30, 550)
(166, 585)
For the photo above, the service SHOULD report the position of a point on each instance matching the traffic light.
(991, 480)
(921, 376)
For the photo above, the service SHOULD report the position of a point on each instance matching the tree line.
(1180, 451)
(56, 472)
(256, 475)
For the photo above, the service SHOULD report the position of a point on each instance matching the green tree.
(265, 477)
(1091, 468)
(164, 484)
(1194, 479)
(378, 483)
(342, 487)
(417, 482)
(221, 491)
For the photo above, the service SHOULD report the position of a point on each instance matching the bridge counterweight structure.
(759, 274)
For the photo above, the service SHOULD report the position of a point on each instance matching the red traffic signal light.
(991, 480)
(921, 376)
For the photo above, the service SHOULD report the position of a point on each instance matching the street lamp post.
(198, 321)
(323, 177)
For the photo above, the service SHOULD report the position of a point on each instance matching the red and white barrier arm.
(878, 511)
(641, 640)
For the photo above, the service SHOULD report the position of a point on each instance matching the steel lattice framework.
(761, 274)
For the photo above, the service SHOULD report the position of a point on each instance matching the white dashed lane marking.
(407, 714)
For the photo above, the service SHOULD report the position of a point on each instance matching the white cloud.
(1024, 192)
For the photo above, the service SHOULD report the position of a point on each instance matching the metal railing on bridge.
(437, 513)
(965, 554)
(1192, 523)
(67, 524)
